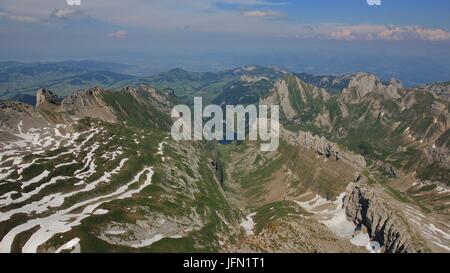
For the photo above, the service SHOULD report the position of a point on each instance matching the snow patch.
(69, 245)
(101, 212)
(332, 214)
(249, 225)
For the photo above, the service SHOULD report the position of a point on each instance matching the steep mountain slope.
(270, 187)
(397, 226)
(100, 171)
(407, 128)
(310, 180)
(403, 134)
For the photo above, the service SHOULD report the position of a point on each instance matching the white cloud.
(345, 34)
(402, 33)
(205, 16)
(388, 33)
(65, 13)
(73, 2)
(374, 2)
(261, 13)
(120, 34)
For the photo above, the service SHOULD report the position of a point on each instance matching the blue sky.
(316, 36)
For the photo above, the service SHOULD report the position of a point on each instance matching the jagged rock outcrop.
(142, 92)
(17, 117)
(389, 170)
(362, 84)
(365, 208)
(372, 118)
(89, 103)
(280, 95)
(297, 99)
(396, 83)
(140, 106)
(323, 147)
(46, 96)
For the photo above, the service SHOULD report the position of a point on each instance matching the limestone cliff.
(365, 208)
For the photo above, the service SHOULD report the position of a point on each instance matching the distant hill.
(214, 86)
(20, 79)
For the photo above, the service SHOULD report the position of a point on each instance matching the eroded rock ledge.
(324, 147)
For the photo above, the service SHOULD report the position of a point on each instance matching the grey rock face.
(89, 103)
(365, 208)
(362, 84)
(143, 91)
(89, 97)
(46, 96)
(324, 147)
(390, 170)
(17, 117)
(280, 96)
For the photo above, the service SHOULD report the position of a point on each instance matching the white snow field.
(440, 236)
(248, 224)
(332, 214)
(48, 203)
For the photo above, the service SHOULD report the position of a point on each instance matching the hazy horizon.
(393, 39)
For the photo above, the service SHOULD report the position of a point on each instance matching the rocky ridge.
(88, 103)
(51, 110)
(324, 147)
(409, 128)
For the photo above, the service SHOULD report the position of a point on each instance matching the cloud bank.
(240, 17)
(261, 13)
(120, 34)
(389, 33)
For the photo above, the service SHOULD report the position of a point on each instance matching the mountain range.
(361, 163)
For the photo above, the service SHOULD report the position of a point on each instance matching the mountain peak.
(46, 96)
(360, 85)
(396, 82)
